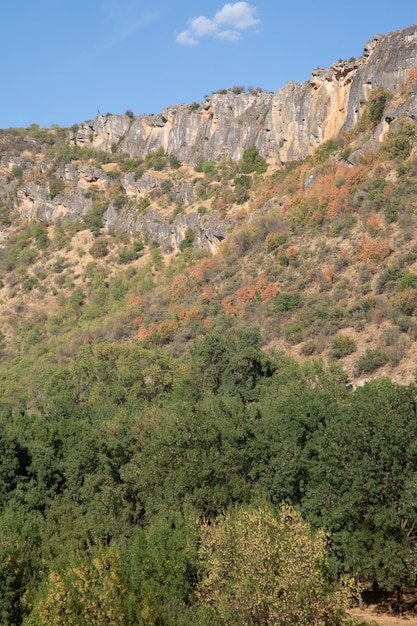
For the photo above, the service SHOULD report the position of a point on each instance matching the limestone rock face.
(208, 230)
(34, 203)
(284, 126)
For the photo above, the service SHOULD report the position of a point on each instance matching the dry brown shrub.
(145, 332)
(291, 253)
(189, 315)
(317, 218)
(269, 291)
(357, 175)
(207, 295)
(329, 275)
(374, 222)
(245, 295)
(228, 307)
(207, 322)
(374, 250)
(410, 77)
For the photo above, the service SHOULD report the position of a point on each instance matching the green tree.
(253, 162)
(162, 568)
(360, 484)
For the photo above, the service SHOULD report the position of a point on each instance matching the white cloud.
(226, 24)
(229, 35)
(239, 15)
(187, 38)
(201, 26)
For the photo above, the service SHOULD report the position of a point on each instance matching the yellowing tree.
(85, 593)
(262, 569)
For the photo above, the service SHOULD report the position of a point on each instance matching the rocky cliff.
(285, 126)
(45, 180)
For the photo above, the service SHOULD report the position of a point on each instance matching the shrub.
(94, 218)
(243, 181)
(174, 162)
(309, 348)
(406, 302)
(188, 240)
(207, 167)
(284, 302)
(129, 165)
(324, 150)
(373, 250)
(30, 283)
(40, 234)
(253, 162)
(156, 257)
(400, 140)
(99, 249)
(275, 240)
(408, 280)
(156, 160)
(342, 346)
(390, 213)
(293, 333)
(143, 204)
(371, 361)
(119, 202)
(56, 186)
(374, 109)
(127, 255)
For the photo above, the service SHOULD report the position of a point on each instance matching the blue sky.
(62, 61)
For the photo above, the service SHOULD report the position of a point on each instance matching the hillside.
(318, 253)
(190, 313)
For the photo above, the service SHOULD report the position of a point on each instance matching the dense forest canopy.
(123, 507)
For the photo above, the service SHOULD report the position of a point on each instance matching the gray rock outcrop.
(284, 126)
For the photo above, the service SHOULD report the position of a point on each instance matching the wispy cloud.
(121, 21)
(227, 24)
(127, 30)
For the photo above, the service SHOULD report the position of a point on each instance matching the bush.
(371, 361)
(56, 186)
(390, 213)
(293, 333)
(188, 240)
(324, 150)
(30, 283)
(143, 204)
(342, 346)
(156, 160)
(127, 255)
(40, 234)
(253, 162)
(207, 167)
(374, 109)
(284, 302)
(400, 140)
(174, 162)
(99, 249)
(94, 218)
